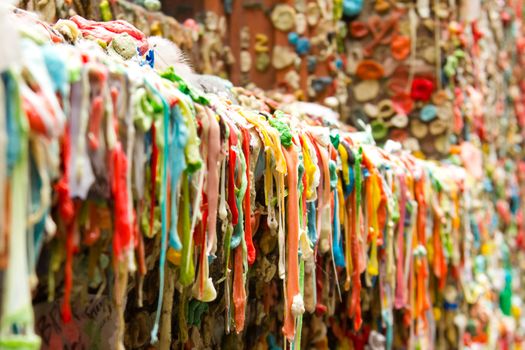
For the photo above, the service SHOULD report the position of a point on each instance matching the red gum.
(106, 31)
(122, 237)
(293, 241)
(231, 176)
(123, 228)
(247, 203)
(97, 111)
(67, 211)
(68, 273)
(35, 120)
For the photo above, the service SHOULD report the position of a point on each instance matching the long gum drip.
(292, 280)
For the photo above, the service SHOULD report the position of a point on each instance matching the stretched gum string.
(293, 241)
(422, 273)
(123, 228)
(281, 220)
(247, 201)
(336, 244)
(388, 270)
(97, 113)
(232, 156)
(68, 272)
(325, 159)
(164, 215)
(153, 175)
(344, 162)
(3, 173)
(214, 150)
(268, 182)
(304, 210)
(423, 302)
(201, 239)
(240, 193)
(440, 264)
(142, 269)
(227, 250)
(421, 212)
(355, 302)
(132, 214)
(357, 263)
(239, 292)
(319, 166)
(187, 269)
(309, 168)
(381, 210)
(297, 341)
(346, 213)
(400, 285)
(177, 166)
(199, 228)
(373, 198)
(341, 202)
(17, 317)
(334, 217)
(408, 270)
(348, 242)
(82, 175)
(456, 223)
(409, 319)
(324, 189)
(67, 211)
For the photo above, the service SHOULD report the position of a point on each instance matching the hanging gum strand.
(422, 273)
(227, 272)
(153, 176)
(67, 212)
(324, 196)
(440, 264)
(309, 168)
(199, 234)
(247, 199)
(281, 230)
(187, 269)
(400, 285)
(348, 241)
(293, 241)
(214, 150)
(68, 269)
(232, 156)
(355, 303)
(357, 260)
(373, 199)
(239, 292)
